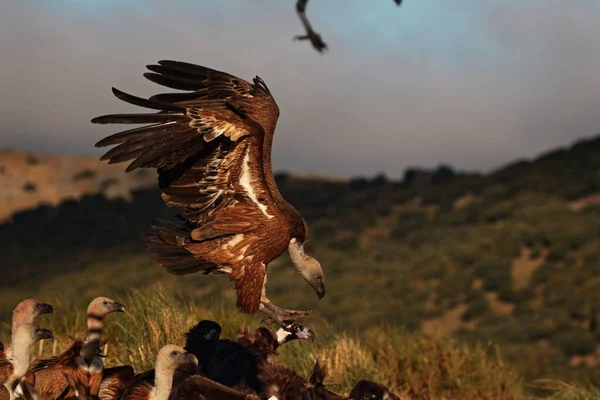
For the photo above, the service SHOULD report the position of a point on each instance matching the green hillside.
(509, 258)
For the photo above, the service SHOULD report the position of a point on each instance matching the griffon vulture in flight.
(212, 149)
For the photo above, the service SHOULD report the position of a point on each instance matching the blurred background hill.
(511, 257)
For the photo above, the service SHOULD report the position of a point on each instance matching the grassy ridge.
(510, 258)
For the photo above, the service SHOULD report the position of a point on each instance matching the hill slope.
(511, 257)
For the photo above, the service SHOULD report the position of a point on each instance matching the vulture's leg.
(314, 37)
(279, 315)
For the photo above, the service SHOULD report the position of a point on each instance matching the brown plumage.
(25, 313)
(157, 384)
(13, 368)
(81, 361)
(369, 390)
(283, 383)
(114, 382)
(80, 391)
(201, 388)
(212, 149)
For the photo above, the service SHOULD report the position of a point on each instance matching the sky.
(471, 83)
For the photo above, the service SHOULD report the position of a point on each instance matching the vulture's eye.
(296, 327)
(105, 303)
(175, 353)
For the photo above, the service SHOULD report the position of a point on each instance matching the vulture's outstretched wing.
(202, 142)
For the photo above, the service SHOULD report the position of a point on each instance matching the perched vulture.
(157, 384)
(369, 390)
(25, 313)
(238, 364)
(82, 363)
(283, 383)
(212, 149)
(13, 368)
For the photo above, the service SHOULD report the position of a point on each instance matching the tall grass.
(416, 367)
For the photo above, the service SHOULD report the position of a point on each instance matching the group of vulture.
(205, 368)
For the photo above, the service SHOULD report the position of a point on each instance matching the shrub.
(85, 174)
(575, 342)
(29, 187)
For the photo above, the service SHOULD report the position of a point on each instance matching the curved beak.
(306, 334)
(320, 290)
(45, 334)
(212, 335)
(118, 307)
(46, 309)
(192, 359)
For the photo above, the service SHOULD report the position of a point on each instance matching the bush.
(29, 187)
(478, 307)
(496, 274)
(85, 174)
(575, 342)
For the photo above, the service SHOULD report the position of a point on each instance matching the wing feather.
(198, 141)
(114, 382)
(6, 370)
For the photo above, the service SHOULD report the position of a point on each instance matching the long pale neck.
(20, 350)
(17, 320)
(163, 382)
(93, 338)
(297, 254)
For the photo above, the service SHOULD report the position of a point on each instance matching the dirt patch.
(28, 180)
(588, 360)
(584, 202)
(523, 267)
(450, 322)
(464, 201)
(498, 306)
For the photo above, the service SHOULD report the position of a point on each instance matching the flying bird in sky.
(312, 36)
(212, 148)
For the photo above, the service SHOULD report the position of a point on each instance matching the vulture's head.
(292, 331)
(28, 310)
(308, 267)
(101, 306)
(172, 357)
(202, 341)
(204, 334)
(205, 329)
(369, 390)
(27, 335)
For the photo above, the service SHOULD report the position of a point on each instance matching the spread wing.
(114, 382)
(203, 142)
(51, 373)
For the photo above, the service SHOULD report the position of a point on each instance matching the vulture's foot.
(282, 316)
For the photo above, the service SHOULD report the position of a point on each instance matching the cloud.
(474, 84)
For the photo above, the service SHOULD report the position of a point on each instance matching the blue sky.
(471, 83)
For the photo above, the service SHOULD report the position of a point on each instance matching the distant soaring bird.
(212, 149)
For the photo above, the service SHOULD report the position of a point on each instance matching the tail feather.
(168, 244)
